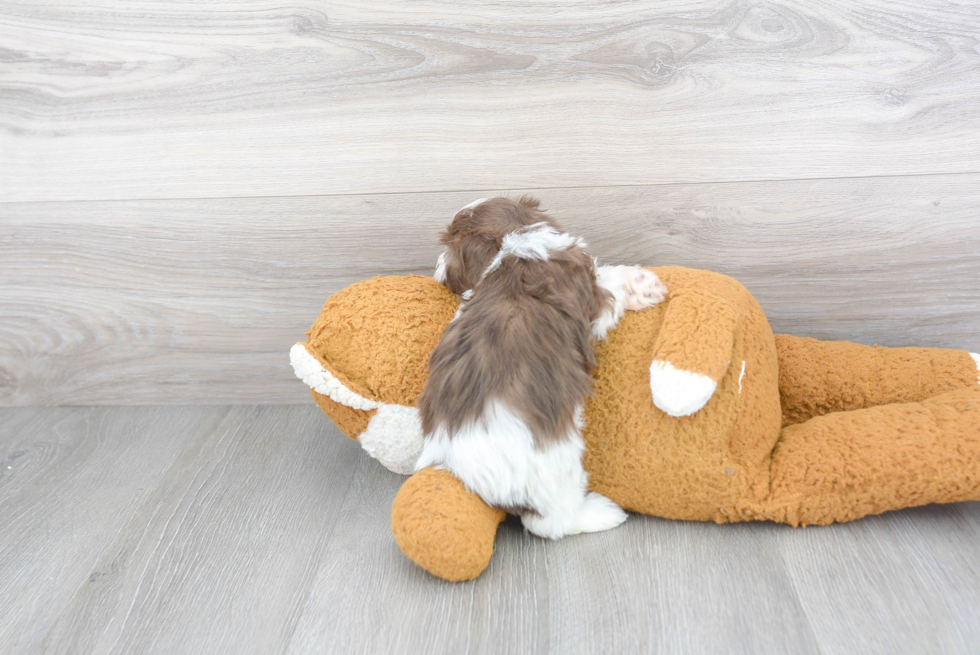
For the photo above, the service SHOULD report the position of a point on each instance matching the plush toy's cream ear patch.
(679, 393)
(976, 358)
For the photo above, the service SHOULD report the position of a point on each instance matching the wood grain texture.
(883, 574)
(198, 301)
(69, 482)
(222, 556)
(369, 598)
(675, 587)
(110, 100)
(264, 530)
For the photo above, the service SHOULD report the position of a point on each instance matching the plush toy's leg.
(443, 527)
(846, 465)
(819, 377)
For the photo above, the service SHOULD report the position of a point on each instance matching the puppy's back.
(524, 340)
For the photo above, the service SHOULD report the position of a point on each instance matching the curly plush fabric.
(699, 413)
(375, 336)
(820, 377)
(443, 527)
(708, 465)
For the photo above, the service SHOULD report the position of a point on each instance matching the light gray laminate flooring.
(264, 530)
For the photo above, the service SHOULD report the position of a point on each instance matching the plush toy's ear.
(365, 361)
(692, 352)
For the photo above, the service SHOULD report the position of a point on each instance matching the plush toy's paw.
(679, 393)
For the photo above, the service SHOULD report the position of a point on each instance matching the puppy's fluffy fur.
(502, 408)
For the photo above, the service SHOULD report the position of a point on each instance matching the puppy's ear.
(453, 271)
(476, 253)
(466, 259)
(529, 202)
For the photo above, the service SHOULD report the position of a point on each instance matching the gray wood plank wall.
(262, 98)
(181, 185)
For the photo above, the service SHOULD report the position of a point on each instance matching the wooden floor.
(182, 184)
(263, 530)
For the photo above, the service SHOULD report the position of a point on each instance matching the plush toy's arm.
(692, 352)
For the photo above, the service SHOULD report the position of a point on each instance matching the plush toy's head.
(365, 361)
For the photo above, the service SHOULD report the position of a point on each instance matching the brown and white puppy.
(502, 408)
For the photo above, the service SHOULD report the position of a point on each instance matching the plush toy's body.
(699, 413)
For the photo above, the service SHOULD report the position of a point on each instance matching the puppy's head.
(474, 237)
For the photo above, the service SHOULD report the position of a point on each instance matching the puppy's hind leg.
(497, 458)
(557, 492)
(598, 513)
(632, 288)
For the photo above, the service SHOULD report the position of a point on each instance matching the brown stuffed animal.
(699, 413)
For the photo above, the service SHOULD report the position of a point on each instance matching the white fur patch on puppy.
(610, 278)
(467, 295)
(310, 371)
(474, 204)
(598, 513)
(679, 393)
(440, 274)
(533, 242)
(394, 438)
(496, 458)
(632, 288)
(976, 358)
